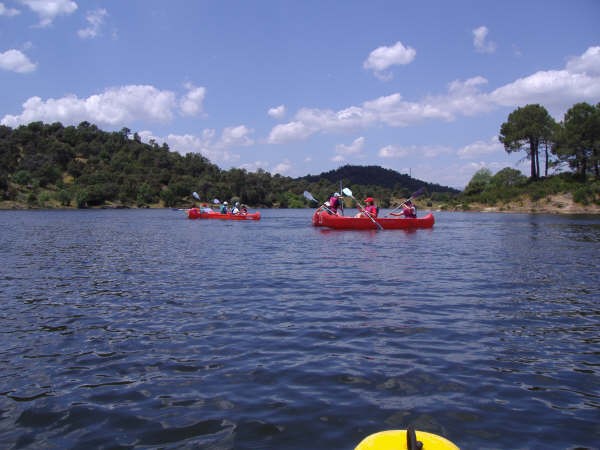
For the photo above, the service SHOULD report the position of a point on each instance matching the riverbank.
(552, 204)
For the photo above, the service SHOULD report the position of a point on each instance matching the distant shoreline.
(562, 204)
(554, 204)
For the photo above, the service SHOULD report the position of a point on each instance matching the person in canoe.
(369, 210)
(236, 208)
(224, 208)
(335, 204)
(408, 210)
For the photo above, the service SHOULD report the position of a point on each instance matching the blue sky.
(301, 87)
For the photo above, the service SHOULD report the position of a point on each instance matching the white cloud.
(238, 136)
(8, 12)
(204, 144)
(398, 152)
(588, 63)
(382, 58)
(355, 148)
(114, 107)
(393, 151)
(192, 103)
(277, 112)
(217, 150)
(48, 10)
(254, 166)
(16, 61)
(557, 90)
(482, 45)
(95, 20)
(292, 131)
(282, 168)
(478, 148)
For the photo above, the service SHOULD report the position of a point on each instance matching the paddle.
(348, 192)
(196, 196)
(415, 194)
(308, 196)
(411, 440)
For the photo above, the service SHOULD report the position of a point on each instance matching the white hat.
(337, 194)
(224, 203)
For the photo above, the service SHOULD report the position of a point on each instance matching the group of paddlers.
(335, 206)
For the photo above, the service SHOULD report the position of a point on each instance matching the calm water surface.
(142, 329)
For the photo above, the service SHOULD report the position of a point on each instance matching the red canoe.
(324, 219)
(196, 213)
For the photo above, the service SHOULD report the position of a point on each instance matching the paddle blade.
(308, 196)
(216, 201)
(418, 192)
(195, 195)
(347, 192)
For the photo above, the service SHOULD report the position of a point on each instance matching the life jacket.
(334, 204)
(409, 211)
(372, 210)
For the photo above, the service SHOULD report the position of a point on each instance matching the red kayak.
(324, 219)
(196, 213)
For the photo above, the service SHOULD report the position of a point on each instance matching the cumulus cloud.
(277, 112)
(288, 132)
(48, 10)
(95, 20)
(398, 152)
(382, 58)
(216, 148)
(479, 148)
(558, 90)
(588, 63)
(393, 151)
(8, 12)
(555, 89)
(355, 149)
(482, 45)
(238, 136)
(255, 165)
(113, 107)
(282, 168)
(189, 143)
(16, 61)
(192, 102)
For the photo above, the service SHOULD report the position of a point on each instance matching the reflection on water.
(144, 329)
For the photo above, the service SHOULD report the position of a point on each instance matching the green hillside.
(50, 165)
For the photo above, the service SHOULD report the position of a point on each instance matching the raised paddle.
(308, 196)
(348, 192)
(415, 194)
(196, 196)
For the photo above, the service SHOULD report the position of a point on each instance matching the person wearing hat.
(236, 208)
(335, 204)
(408, 210)
(224, 208)
(370, 209)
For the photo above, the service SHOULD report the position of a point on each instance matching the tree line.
(43, 165)
(570, 148)
(574, 142)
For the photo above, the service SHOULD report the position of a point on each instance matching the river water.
(143, 329)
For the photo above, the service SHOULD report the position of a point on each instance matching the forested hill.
(379, 176)
(51, 165)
